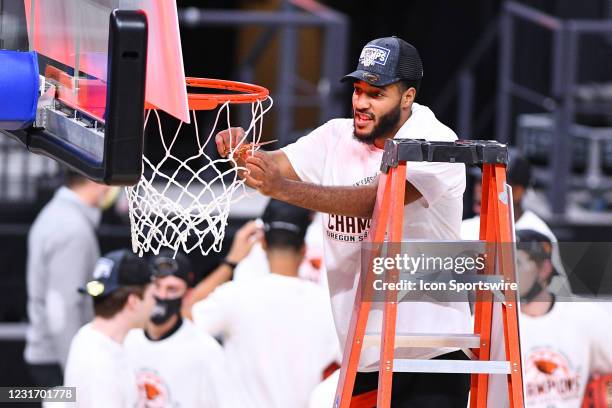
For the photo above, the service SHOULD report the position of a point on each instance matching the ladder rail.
(396, 222)
(362, 305)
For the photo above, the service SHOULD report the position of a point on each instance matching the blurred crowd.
(129, 331)
(258, 330)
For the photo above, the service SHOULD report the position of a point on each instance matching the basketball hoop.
(191, 212)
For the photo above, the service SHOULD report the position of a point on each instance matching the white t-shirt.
(98, 368)
(186, 369)
(324, 393)
(560, 351)
(277, 335)
(331, 156)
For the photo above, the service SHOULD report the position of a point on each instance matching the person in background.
(255, 264)
(62, 252)
(562, 342)
(276, 330)
(175, 364)
(518, 175)
(123, 300)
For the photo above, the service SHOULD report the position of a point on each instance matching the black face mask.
(165, 309)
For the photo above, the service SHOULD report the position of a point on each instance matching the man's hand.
(264, 174)
(228, 139)
(244, 239)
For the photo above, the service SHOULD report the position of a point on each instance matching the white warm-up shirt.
(560, 351)
(277, 335)
(97, 366)
(331, 156)
(186, 369)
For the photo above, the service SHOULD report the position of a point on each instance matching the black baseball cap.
(387, 60)
(280, 216)
(537, 245)
(169, 263)
(115, 270)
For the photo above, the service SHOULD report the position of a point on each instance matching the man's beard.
(386, 124)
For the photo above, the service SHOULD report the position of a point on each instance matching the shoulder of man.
(423, 124)
(84, 350)
(134, 338)
(203, 344)
(57, 220)
(438, 130)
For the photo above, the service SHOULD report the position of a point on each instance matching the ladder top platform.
(469, 152)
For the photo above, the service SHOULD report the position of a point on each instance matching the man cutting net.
(334, 170)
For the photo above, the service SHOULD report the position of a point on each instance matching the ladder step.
(459, 340)
(451, 366)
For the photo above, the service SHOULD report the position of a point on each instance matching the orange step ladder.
(495, 229)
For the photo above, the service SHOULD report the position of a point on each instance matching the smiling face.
(379, 112)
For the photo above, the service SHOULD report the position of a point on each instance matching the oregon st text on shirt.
(348, 229)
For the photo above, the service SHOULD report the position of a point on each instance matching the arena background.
(459, 44)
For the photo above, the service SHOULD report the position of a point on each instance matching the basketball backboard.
(101, 62)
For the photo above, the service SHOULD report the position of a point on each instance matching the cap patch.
(103, 268)
(95, 288)
(373, 54)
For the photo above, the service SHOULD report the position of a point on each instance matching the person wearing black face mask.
(536, 269)
(173, 276)
(175, 364)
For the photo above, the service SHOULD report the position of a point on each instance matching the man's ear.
(132, 301)
(408, 97)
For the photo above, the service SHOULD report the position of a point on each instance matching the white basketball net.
(192, 212)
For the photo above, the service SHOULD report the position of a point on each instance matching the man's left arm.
(354, 201)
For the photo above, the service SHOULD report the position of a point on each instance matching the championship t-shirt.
(561, 349)
(186, 369)
(98, 368)
(331, 156)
